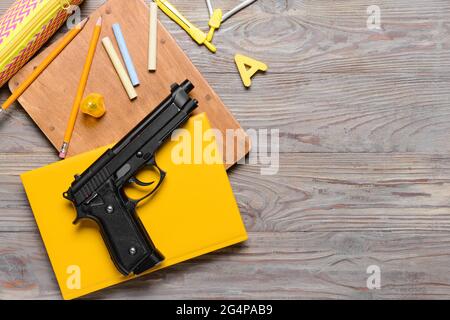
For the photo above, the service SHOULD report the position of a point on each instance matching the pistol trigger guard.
(81, 214)
(162, 175)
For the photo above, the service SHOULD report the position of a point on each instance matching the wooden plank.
(312, 265)
(346, 113)
(329, 37)
(18, 133)
(49, 99)
(311, 192)
(320, 113)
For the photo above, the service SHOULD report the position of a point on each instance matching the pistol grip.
(129, 245)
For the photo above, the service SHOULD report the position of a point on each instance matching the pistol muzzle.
(187, 86)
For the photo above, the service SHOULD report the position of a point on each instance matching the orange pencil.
(44, 64)
(81, 88)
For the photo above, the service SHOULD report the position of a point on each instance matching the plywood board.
(48, 101)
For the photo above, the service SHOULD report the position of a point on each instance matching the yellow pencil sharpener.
(94, 105)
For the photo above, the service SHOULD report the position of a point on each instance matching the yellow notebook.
(193, 213)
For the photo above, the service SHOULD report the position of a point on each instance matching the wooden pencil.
(44, 64)
(81, 88)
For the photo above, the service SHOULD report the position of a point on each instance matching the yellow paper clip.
(214, 23)
(198, 35)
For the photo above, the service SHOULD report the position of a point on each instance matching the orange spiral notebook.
(193, 213)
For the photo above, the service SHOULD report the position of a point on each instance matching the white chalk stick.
(153, 37)
(123, 75)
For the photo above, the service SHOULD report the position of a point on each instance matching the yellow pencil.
(81, 88)
(44, 64)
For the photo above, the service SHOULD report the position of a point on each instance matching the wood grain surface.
(364, 120)
(50, 98)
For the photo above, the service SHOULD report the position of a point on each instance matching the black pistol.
(98, 193)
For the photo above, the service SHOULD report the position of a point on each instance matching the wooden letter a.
(248, 67)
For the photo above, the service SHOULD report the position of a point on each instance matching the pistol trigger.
(162, 173)
(152, 162)
(140, 183)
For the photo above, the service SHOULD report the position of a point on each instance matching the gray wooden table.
(364, 119)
